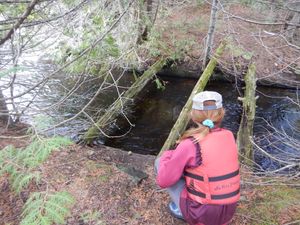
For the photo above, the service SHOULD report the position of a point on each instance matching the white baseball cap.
(203, 96)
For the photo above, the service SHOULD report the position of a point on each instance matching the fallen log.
(245, 133)
(183, 118)
(117, 107)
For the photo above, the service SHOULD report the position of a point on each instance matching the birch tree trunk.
(210, 34)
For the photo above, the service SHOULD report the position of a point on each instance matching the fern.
(46, 209)
(21, 164)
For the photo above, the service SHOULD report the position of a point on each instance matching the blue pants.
(175, 190)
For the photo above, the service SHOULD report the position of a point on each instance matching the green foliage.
(268, 201)
(255, 4)
(13, 10)
(92, 217)
(248, 2)
(98, 17)
(39, 150)
(96, 57)
(20, 164)
(10, 70)
(155, 46)
(41, 122)
(200, 2)
(159, 84)
(46, 209)
(237, 51)
(181, 47)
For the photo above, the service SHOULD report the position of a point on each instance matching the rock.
(135, 174)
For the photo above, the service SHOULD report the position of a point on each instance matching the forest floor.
(112, 186)
(182, 34)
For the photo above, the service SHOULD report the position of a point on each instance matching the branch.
(14, 1)
(259, 22)
(85, 51)
(19, 22)
(37, 22)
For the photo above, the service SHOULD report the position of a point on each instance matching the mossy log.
(116, 108)
(183, 119)
(245, 133)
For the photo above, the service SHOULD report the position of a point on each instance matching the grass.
(92, 217)
(102, 172)
(271, 205)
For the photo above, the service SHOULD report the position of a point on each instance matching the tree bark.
(114, 110)
(293, 31)
(145, 20)
(183, 118)
(210, 34)
(4, 112)
(245, 133)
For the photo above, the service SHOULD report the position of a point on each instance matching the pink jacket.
(172, 164)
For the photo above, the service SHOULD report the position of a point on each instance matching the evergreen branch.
(46, 209)
(21, 164)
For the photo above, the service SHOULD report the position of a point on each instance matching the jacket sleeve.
(173, 162)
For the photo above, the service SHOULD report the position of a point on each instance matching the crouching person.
(202, 173)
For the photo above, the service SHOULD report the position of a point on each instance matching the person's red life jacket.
(217, 179)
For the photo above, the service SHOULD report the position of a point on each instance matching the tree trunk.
(4, 113)
(245, 133)
(210, 34)
(116, 108)
(293, 31)
(183, 118)
(145, 20)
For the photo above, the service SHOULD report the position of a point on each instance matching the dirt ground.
(111, 186)
(104, 193)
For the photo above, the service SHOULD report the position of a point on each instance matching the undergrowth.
(22, 167)
(271, 205)
(47, 208)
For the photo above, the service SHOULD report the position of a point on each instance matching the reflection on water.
(277, 127)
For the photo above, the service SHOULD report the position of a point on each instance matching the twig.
(19, 22)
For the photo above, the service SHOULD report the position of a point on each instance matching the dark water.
(157, 111)
(276, 130)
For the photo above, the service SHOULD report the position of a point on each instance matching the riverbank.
(181, 36)
(111, 186)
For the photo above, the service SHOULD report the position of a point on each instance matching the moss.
(270, 205)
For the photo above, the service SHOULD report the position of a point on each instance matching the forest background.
(84, 48)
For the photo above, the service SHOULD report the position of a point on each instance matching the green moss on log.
(117, 107)
(245, 133)
(183, 119)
